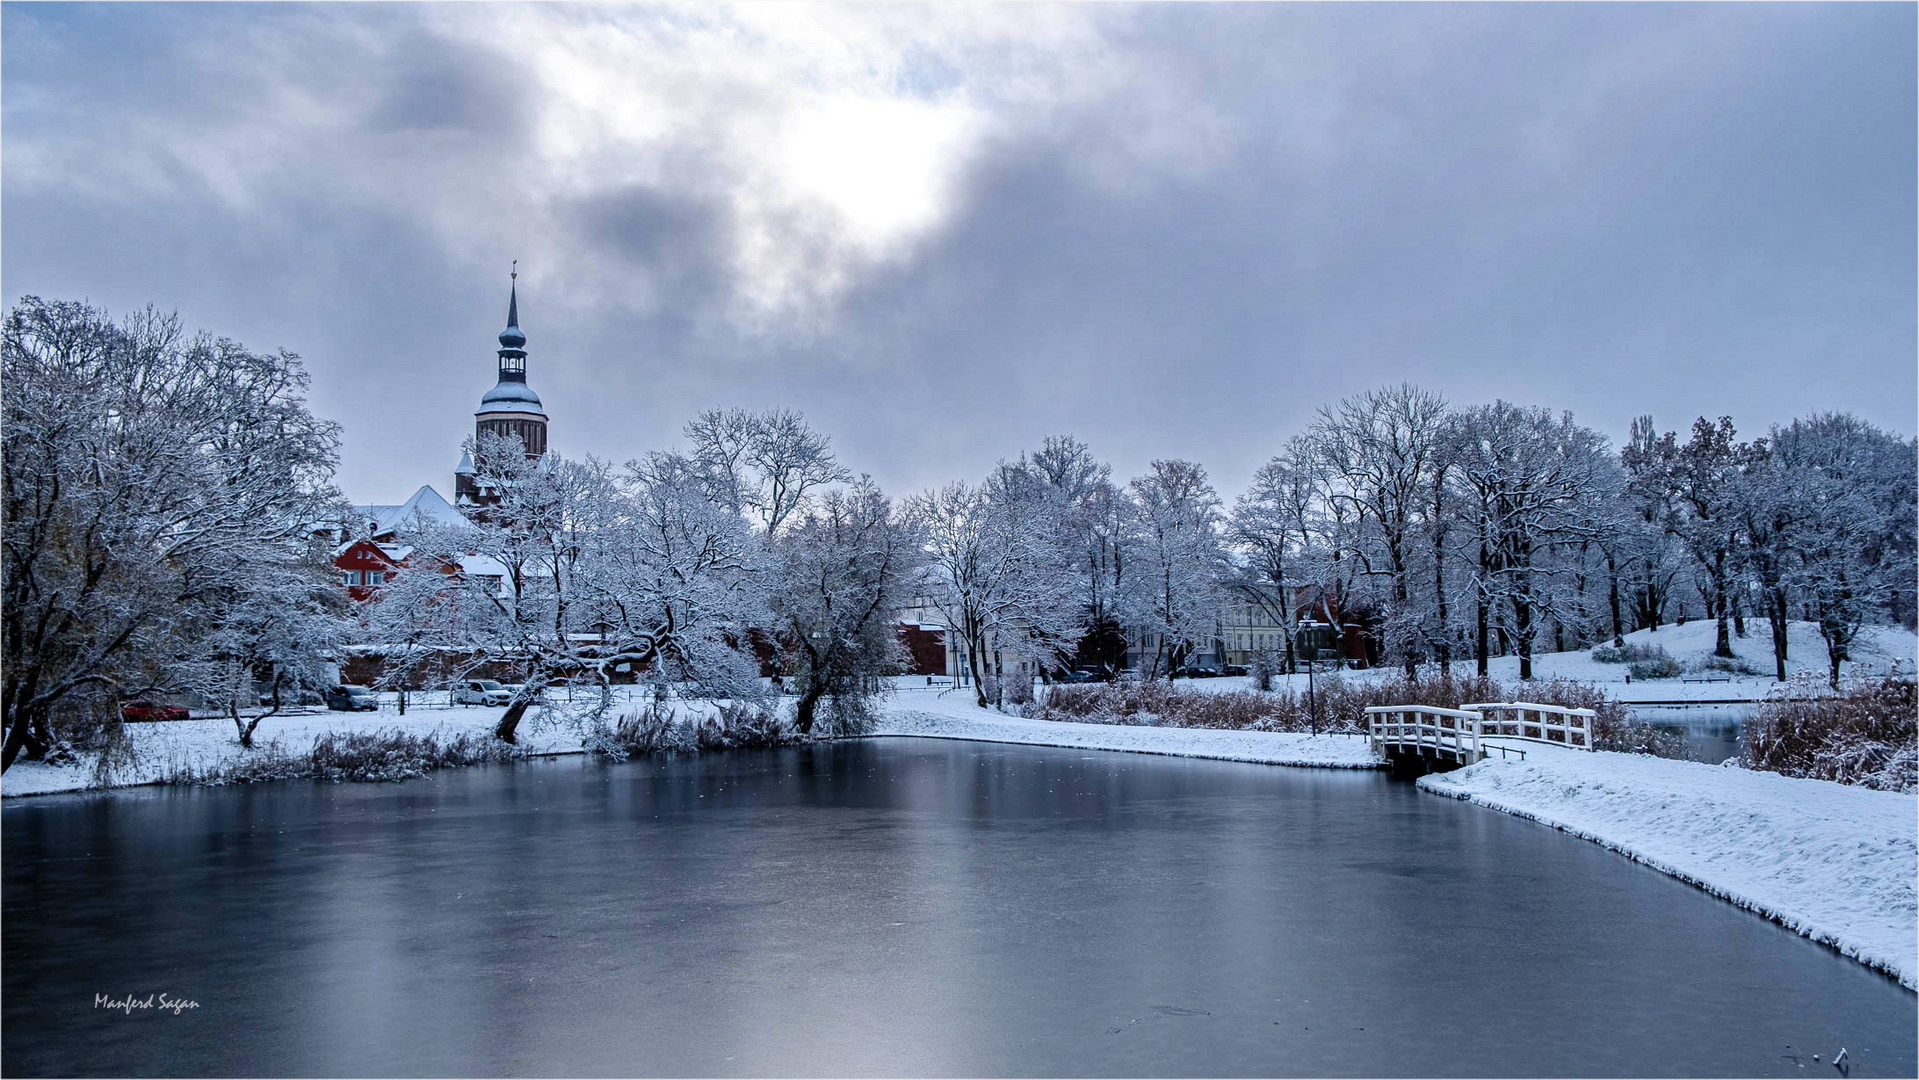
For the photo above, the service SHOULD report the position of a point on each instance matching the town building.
(369, 549)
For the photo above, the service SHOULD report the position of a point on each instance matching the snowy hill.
(1875, 653)
(1878, 647)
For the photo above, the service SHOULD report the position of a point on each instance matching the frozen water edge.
(1832, 862)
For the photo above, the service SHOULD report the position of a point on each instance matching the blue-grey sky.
(946, 232)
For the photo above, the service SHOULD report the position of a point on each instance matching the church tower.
(510, 408)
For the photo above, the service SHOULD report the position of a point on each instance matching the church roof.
(426, 505)
(510, 397)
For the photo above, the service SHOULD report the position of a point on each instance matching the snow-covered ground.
(930, 714)
(1835, 863)
(1875, 652)
(163, 748)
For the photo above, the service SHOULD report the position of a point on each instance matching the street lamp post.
(1307, 641)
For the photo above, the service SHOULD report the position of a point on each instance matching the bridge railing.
(1552, 724)
(1453, 732)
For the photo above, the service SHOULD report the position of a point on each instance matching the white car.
(481, 692)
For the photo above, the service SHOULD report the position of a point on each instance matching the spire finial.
(515, 275)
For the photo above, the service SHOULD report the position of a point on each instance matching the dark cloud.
(1614, 209)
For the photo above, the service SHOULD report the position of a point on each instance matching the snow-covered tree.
(1700, 482)
(765, 463)
(577, 573)
(1537, 483)
(1850, 492)
(1270, 526)
(273, 633)
(995, 574)
(842, 570)
(157, 485)
(1183, 559)
(1381, 448)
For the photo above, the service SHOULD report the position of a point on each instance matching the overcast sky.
(943, 233)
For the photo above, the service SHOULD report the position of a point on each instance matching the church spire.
(513, 302)
(512, 340)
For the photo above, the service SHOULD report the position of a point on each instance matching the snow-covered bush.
(1017, 692)
(654, 730)
(360, 756)
(1729, 665)
(1261, 669)
(743, 727)
(1648, 661)
(1867, 735)
(1612, 731)
(1630, 653)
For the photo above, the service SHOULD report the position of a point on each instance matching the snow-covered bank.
(1835, 863)
(163, 749)
(954, 716)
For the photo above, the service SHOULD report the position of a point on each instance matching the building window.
(350, 577)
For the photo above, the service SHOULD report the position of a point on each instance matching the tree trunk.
(510, 721)
(1523, 633)
(973, 646)
(1480, 641)
(1776, 615)
(809, 701)
(20, 737)
(1612, 597)
(1723, 644)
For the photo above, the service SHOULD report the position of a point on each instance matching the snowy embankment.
(163, 749)
(953, 715)
(1836, 863)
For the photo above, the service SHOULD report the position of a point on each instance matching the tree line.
(166, 498)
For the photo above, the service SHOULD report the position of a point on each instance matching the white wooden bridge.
(1433, 737)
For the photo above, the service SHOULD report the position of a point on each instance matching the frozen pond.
(895, 907)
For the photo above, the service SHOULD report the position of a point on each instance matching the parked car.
(352, 699)
(514, 689)
(1130, 674)
(142, 711)
(1078, 677)
(481, 692)
(1238, 669)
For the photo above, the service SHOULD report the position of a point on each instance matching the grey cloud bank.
(945, 232)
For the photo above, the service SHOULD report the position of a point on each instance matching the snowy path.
(1835, 863)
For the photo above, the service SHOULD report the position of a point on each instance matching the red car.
(141, 711)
